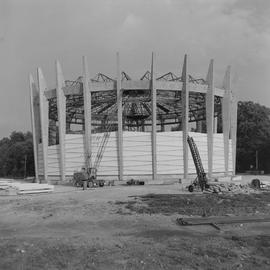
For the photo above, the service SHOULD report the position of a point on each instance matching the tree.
(16, 155)
(253, 134)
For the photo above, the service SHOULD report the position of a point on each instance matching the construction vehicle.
(201, 180)
(87, 177)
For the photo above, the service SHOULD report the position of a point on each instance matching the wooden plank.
(210, 116)
(226, 117)
(34, 121)
(222, 220)
(33, 192)
(61, 111)
(30, 186)
(87, 114)
(44, 119)
(119, 119)
(185, 115)
(154, 117)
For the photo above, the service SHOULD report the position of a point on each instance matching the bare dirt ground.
(130, 227)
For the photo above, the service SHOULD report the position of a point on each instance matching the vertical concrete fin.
(226, 110)
(185, 114)
(210, 115)
(34, 122)
(61, 112)
(154, 117)
(87, 113)
(119, 118)
(233, 122)
(227, 79)
(44, 120)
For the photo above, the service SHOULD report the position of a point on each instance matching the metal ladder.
(201, 175)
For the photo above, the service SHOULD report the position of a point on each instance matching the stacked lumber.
(17, 188)
(4, 183)
(32, 188)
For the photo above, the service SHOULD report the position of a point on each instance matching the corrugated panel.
(53, 160)
(218, 153)
(137, 153)
(74, 147)
(170, 153)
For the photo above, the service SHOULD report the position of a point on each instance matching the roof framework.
(136, 103)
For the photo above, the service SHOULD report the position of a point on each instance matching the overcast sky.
(36, 32)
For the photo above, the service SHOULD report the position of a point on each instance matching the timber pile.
(4, 183)
(8, 187)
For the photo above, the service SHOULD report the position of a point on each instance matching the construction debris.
(134, 182)
(222, 187)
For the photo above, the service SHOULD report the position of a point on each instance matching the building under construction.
(128, 128)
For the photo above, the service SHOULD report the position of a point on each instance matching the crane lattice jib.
(201, 175)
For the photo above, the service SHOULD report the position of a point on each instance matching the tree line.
(253, 144)
(16, 155)
(253, 137)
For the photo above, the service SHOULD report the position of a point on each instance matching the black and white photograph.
(134, 134)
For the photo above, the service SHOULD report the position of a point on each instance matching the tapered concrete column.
(44, 120)
(210, 116)
(185, 115)
(234, 104)
(154, 118)
(61, 111)
(226, 100)
(119, 119)
(87, 114)
(35, 121)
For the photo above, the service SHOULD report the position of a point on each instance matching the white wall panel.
(170, 153)
(218, 153)
(74, 147)
(53, 160)
(137, 153)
